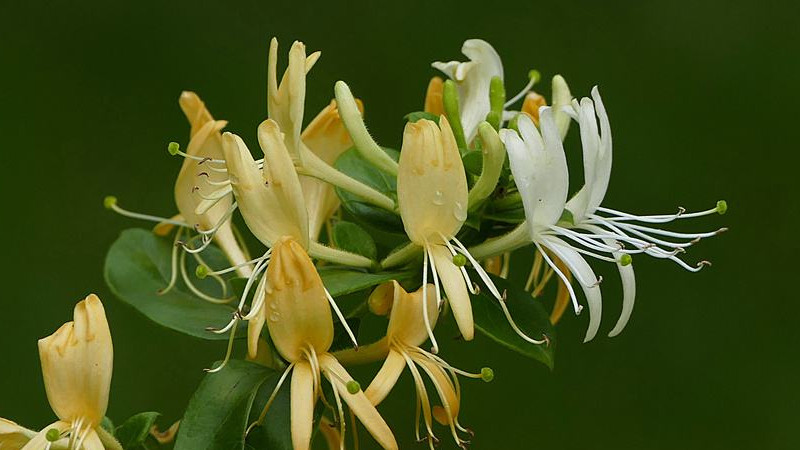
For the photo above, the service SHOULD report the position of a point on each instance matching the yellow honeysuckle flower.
(433, 96)
(401, 348)
(77, 362)
(432, 195)
(327, 138)
(300, 323)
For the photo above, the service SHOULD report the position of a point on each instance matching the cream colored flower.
(432, 195)
(300, 324)
(401, 348)
(77, 363)
(327, 138)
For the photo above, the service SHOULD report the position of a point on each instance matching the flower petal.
(358, 403)
(540, 170)
(77, 363)
(585, 276)
(455, 288)
(406, 323)
(431, 182)
(302, 405)
(386, 378)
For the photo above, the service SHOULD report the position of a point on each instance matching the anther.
(353, 387)
(173, 148)
(204, 160)
(504, 294)
(599, 280)
(203, 174)
(195, 189)
(704, 263)
(487, 374)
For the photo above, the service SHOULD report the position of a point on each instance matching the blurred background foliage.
(700, 96)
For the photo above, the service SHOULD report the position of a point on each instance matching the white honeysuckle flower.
(432, 197)
(300, 324)
(540, 172)
(609, 232)
(77, 363)
(401, 348)
(473, 79)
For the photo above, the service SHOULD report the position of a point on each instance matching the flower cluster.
(476, 179)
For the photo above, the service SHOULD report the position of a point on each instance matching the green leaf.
(346, 281)
(419, 115)
(351, 163)
(134, 432)
(219, 412)
(527, 313)
(354, 239)
(138, 266)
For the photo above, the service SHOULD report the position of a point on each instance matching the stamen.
(473, 289)
(237, 266)
(341, 319)
(228, 353)
(533, 77)
(110, 202)
(195, 290)
(577, 307)
(422, 394)
(201, 263)
(426, 319)
(272, 396)
(173, 277)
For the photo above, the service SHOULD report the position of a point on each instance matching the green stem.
(514, 239)
(314, 166)
(354, 124)
(401, 256)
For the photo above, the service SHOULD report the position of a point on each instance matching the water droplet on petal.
(459, 212)
(274, 316)
(438, 198)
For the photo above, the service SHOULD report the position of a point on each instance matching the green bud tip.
(460, 260)
(487, 374)
(722, 207)
(173, 148)
(535, 76)
(201, 271)
(625, 259)
(353, 387)
(110, 201)
(52, 435)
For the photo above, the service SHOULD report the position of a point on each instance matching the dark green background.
(702, 97)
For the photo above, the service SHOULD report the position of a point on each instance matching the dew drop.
(459, 212)
(438, 198)
(274, 316)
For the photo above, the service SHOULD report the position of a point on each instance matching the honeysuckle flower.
(432, 196)
(433, 97)
(202, 196)
(540, 172)
(300, 324)
(473, 78)
(401, 348)
(13, 436)
(608, 232)
(77, 363)
(270, 199)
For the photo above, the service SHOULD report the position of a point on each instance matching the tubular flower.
(540, 173)
(473, 79)
(301, 327)
(77, 362)
(606, 230)
(401, 348)
(202, 195)
(327, 138)
(432, 196)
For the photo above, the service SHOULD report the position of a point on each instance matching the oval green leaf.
(528, 314)
(354, 239)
